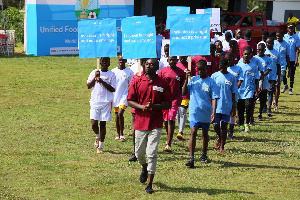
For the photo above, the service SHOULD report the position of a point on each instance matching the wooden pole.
(190, 65)
(98, 63)
(139, 65)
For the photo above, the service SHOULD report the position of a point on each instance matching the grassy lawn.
(46, 145)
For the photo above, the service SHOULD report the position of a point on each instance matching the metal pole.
(4, 29)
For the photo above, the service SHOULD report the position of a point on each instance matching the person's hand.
(212, 118)
(296, 63)
(256, 95)
(97, 73)
(260, 88)
(98, 79)
(188, 74)
(148, 105)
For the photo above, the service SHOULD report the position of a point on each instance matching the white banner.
(214, 17)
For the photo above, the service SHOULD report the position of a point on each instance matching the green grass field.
(46, 145)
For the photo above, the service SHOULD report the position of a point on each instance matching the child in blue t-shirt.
(227, 88)
(274, 74)
(202, 107)
(267, 64)
(236, 72)
(248, 89)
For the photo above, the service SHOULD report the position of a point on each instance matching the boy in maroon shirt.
(210, 64)
(175, 77)
(149, 95)
(233, 44)
(247, 42)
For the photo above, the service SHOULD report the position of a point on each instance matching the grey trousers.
(146, 142)
(181, 118)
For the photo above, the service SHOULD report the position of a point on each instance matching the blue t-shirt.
(249, 75)
(236, 72)
(255, 61)
(158, 45)
(284, 50)
(267, 64)
(294, 42)
(202, 91)
(227, 85)
(275, 58)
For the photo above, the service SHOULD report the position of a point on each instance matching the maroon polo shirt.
(210, 63)
(243, 44)
(142, 89)
(236, 56)
(175, 77)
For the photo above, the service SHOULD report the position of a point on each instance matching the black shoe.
(133, 158)
(149, 189)
(269, 112)
(259, 118)
(190, 163)
(264, 109)
(144, 176)
(204, 159)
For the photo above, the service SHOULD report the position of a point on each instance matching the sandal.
(117, 138)
(122, 138)
(96, 143)
(218, 144)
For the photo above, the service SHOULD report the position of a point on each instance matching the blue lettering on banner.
(97, 38)
(190, 31)
(138, 37)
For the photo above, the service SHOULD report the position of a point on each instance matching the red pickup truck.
(256, 22)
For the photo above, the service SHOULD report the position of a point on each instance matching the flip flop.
(122, 138)
(117, 138)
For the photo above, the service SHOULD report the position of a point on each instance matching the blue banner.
(138, 37)
(189, 34)
(97, 38)
(173, 10)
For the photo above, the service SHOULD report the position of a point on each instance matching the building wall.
(281, 6)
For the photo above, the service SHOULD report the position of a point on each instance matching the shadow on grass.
(232, 164)
(164, 187)
(251, 139)
(254, 152)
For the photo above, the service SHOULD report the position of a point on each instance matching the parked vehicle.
(256, 22)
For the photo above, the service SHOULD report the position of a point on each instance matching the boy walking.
(103, 85)
(227, 87)
(149, 95)
(203, 96)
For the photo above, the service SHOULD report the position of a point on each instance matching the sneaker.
(269, 112)
(168, 148)
(264, 109)
(291, 91)
(133, 158)
(251, 123)
(242, 128)
(190, 163)
(204, 159)
(149, 189)
(275, 107)
(144, 176)
(99, 150)
(285, 87)
(179, 136)
(259, 118)
(247, 128)
(230, 136)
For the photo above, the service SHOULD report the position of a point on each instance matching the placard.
(138, 37)
(189, 35)
(172, 10)
(97, 38)
(214, 18)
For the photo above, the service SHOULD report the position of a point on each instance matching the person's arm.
(163, 106)
(106, 85)
(267, 72)
(240, 83)
(257, 87)
(297, 55)
(278, 73)
(93, 81)
(262, 76)
(135, 105)
(288, 65)
(233, 110)
(184, 87)
(213, 115)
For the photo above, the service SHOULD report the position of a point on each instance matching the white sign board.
(214, 18)
(1, 2)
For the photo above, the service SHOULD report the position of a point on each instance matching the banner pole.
(190, 65)
(139, 65)
(98, 62)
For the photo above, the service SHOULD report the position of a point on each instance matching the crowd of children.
(220, 88)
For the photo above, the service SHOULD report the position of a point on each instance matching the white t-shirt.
(225, 45)
(100, 96)
(164, 59)
(123, 78)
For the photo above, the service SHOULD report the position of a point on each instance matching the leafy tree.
(256, 6)
(14, 20)
(13, 3)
